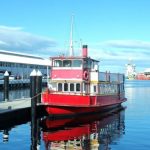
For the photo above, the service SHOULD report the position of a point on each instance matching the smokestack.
(84, 51)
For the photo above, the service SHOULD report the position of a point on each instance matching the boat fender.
(85, 75)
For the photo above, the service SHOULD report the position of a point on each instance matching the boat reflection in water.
(88, 132)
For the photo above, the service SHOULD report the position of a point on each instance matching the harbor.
(67, 104)
(114, 130)
(22, 109)
(74, 75)
(68, 95)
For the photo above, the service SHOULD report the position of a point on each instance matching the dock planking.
(15, 104)
(18, 110)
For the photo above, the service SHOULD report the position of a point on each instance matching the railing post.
(6, 86)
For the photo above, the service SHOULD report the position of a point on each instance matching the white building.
(20, 65)
(130, 71)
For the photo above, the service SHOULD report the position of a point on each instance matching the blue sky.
(115, 30)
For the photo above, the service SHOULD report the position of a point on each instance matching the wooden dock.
(23, 108)
(19, 109)
(14, 104)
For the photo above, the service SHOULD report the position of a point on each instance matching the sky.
(116, 31)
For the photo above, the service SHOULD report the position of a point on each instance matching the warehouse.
(20, 65)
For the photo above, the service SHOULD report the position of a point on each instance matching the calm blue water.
(123, 130)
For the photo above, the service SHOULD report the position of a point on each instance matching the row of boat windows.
(76, 63)
(69, 87)
(67, 63)
(103, 88)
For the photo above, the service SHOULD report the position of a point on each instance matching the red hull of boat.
(59, 104)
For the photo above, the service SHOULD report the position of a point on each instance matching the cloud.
(114, 54)
(15, 39)
(3, 43)
(3, 28)
(122, 50)
(131, 44)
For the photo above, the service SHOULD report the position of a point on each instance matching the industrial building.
(20, 65)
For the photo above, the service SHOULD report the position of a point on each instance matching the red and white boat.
(78, 87)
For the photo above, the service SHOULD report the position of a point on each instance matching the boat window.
(76, 63)
(59, 86)
(87, 63)
(85, 87)
(94, 65)
(78, 87)
(71, 87)
(67, 63)
(57, 63)
(65, 86)
(94, 88)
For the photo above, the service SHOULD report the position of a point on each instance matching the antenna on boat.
(71, 38)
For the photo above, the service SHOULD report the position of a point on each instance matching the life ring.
(85, 75)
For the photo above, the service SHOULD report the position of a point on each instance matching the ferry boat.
(78, 87)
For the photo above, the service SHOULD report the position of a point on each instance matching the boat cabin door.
(86, 89)
(93, 89)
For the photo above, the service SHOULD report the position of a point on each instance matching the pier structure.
(30, 107)
(14, 84)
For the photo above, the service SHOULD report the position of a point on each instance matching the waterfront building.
(130, 70)
(20, 65)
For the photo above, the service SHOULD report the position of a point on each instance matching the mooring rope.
(36, 95)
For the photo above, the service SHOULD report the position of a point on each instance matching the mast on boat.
(71, 38)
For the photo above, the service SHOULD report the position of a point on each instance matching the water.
(122, 130)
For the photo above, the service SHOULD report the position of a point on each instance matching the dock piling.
(39, 86)
(6, 86)
(33, 105)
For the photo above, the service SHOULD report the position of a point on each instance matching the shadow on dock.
(19, 116)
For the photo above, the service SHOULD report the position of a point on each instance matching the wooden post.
(6, 86)
(39, 86)
(33, 109)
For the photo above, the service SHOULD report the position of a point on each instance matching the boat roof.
(73, 57)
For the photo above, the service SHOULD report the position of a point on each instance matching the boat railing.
(110, 77)
(67, 93)
(101, 93)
